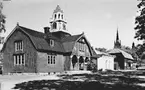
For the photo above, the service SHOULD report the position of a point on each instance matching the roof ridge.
(30, 29)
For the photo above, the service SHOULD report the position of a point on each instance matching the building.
(123, 60)
(29, 51)
(105, 61)
(117, 43)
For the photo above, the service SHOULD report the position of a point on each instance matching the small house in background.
(123, 60)
(105, 61)
(54, 50)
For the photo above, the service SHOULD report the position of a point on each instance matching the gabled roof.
(125, 54)
(41, 41)
(71, 38)
(69, 42)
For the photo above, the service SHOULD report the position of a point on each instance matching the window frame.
(51, 43)
(51, 58)
(19, 59)
(18, 45)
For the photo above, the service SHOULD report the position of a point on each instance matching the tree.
(101, 49)
(140, 27)
(2, 19)
(140, 21)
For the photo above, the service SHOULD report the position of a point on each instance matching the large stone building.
(29, 51)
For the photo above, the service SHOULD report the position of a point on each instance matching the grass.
(99, 81)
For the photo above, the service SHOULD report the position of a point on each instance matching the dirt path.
(8, 82)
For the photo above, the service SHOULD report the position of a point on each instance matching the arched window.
(62, 16)
(58, 16)
(55, 16)
(54, 25)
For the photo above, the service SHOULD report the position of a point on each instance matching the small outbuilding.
(106, 62)
(123, 60)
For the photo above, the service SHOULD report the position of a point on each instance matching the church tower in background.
(58, 22)
(117, 43)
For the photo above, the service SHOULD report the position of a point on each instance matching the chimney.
(46, 30)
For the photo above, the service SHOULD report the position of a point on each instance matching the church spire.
(117, 43)
(117, 35)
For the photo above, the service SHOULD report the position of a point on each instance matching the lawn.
(109, 80)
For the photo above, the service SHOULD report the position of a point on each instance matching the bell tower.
(58, 22)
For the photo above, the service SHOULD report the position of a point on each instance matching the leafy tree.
(2, 18)
(140, 27)
(101, 49)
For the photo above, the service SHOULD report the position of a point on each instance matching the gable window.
(19, 59)
(51, 59)
(51, 42)
(19, 45)
(81, 46)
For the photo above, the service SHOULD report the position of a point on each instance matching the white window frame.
(18, 59)
(18, 45)
(51, 42)
(52, 59)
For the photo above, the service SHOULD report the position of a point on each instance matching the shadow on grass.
(73, 85)
(100, 81)
(91, 82)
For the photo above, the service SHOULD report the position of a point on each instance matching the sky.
(98, 19)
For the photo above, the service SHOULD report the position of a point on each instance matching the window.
(19, 45)
(54, 25)
(19, 59)
(55, 16)
(51, 42)
(62, 16)
(64, 27)
(82, 47)
(58, 16)
(51, 59)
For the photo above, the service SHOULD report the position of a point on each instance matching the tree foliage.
(140, 21)
(2, 18)
(140, 28)
(101, 49)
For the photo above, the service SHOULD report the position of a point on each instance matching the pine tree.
(140, 21)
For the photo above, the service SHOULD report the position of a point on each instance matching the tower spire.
(117, 43)
(117, 35)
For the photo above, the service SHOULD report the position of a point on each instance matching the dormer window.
(51, 42)
(19, 45)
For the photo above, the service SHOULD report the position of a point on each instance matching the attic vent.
(51, 42)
